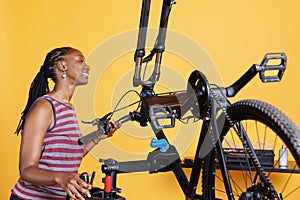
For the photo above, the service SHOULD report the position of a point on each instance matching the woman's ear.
(61, 65)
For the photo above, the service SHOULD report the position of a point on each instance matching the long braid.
(40, 85)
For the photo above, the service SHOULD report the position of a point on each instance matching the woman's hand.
(75, 187)
(112, 128)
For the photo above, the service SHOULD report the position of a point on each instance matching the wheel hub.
(258, 192)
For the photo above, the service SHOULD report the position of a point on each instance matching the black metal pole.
(198, 162)
(140, 51)
(164, 18)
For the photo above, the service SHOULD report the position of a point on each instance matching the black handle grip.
(102, 129)
(89, 137)
(85, 177)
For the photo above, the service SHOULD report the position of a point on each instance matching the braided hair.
(39, 85)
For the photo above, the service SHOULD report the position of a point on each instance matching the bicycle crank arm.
(271, 69)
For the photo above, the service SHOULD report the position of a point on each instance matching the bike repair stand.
(157, 161)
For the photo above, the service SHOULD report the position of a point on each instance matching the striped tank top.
(60, 152)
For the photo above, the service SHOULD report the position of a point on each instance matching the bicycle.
(244, 136)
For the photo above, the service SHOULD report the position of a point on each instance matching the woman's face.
(76, 68)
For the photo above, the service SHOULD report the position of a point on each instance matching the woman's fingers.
(73, 193)
(82, 187)
(76, 188)
(116, 125)
(112, 128)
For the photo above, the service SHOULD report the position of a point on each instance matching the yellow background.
(235, 33)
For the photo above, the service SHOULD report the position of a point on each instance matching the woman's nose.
(87, 67)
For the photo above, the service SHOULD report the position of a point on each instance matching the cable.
(174, 92)
(187, 119)
(116, 110)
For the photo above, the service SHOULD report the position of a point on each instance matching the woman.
(49, 153)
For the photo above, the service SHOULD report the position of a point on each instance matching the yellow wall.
(235, 33)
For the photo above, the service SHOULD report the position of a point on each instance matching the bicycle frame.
(188, 186)
(170, 101)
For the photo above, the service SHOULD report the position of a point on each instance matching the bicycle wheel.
(267, 130)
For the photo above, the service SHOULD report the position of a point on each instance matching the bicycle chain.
(245, 145)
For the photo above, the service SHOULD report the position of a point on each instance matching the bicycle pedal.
(272, 67)
(159, 115)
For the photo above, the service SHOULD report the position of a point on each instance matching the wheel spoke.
(294, 190)
(265, 135)
(288, 180)
(257, 134)
(236, 190)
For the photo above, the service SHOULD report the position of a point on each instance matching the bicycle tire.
(274, 121)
